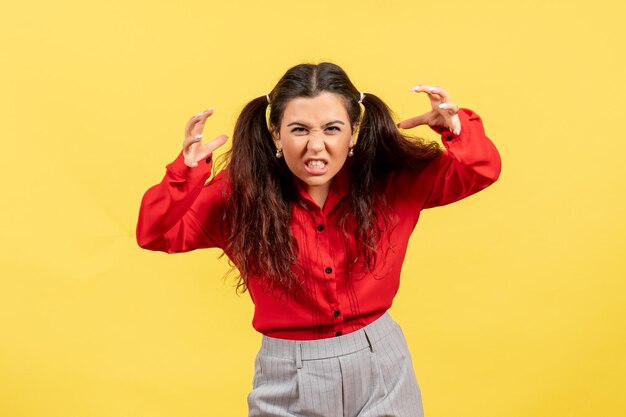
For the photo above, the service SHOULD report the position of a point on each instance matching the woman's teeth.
(316, 164)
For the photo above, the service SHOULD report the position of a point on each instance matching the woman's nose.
(316, 142)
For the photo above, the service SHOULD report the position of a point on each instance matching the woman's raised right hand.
(193, 148)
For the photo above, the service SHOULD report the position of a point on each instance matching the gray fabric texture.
(366, 373)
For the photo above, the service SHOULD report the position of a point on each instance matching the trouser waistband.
(299, 350)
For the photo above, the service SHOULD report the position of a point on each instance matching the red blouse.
(182, 213)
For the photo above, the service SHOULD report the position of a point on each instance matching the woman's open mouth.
(316, 166)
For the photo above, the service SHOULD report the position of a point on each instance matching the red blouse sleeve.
(182, 212)
(469, 163)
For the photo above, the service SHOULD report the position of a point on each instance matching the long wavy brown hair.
(257, 215)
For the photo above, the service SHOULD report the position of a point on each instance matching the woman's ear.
(275, 136)
(355, 127)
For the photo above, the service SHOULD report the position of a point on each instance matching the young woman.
(316, 218)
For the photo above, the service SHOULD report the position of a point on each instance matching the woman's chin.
(316, 180)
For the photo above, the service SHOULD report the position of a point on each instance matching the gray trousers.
(367, 373)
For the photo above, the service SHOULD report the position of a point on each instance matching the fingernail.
(211, 109)
(443, 105)
(415, 88)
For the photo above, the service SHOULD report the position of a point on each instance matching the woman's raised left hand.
(444, 113)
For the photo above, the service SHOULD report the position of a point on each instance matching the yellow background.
(512, 300)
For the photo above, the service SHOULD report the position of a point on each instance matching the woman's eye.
(301, 129)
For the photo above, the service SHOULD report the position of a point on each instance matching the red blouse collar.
(339, 188)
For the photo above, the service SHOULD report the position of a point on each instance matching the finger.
(452, 108)
(190, 140)
(205, 114)
(414, 121)
(207, 149)
(215, 143)
(441, 92)
(199, 126)
(432, 90)
(425, 88)
(190, 123)
(193, 121)
(421, 87)
(432, 95)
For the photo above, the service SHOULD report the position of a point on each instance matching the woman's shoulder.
(412, 171)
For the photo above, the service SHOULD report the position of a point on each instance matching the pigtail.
(380, 150)
(259, 239)
(384, 147)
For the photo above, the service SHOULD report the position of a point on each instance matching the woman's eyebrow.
(305, 125)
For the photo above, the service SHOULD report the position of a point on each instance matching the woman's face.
(315, 135)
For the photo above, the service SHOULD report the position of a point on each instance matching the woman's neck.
(319, 193)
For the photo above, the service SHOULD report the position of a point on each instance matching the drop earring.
(279, 153)
(351, 151)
